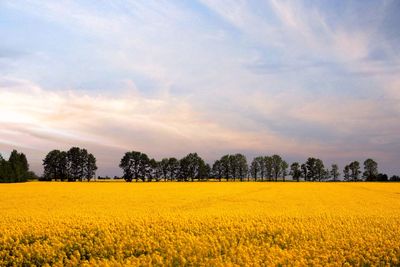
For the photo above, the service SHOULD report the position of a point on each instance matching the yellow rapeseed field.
(205, 224)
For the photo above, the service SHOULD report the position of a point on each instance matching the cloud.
(41, 120)
(168, 78)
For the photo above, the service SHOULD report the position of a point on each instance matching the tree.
(268, 167)
(395, 178)
(241, 166)
(144, 168)
(62, 166)
(191, 167)
(295, 171)
(261, 162)
(90, 167)
(255, 169)
(173, 168)
(225, 164)
(346, 173)
(284, 167)
(153, 171)
(55, 166)
(382, 177)
(335, 172)
(311, 169)
(15, 169)
(355, 170)
(204, 171)
(217, 170)
(276, 161)
(327, 174)
(5, 171)
(80, 164)
(127, 164)
(75, 164)
(314, 169)
(304, 171)
(319, 170)
(233, 167)
(19, 166)
(164, 168)
(370, 170)
(135, 165)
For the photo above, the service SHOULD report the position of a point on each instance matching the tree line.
(138, 166)
(77, 164)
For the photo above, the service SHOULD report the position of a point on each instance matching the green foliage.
(370, 170)
(346, 173)
(355, 170)
(255, 168)
(217, 170)
(55, 166)
(15, 169)
(314, 169)
(135, 165)
(74, 164)
(231, 167)
(192, 167)
(295, 171)
(335, 172)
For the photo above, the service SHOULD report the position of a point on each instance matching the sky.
(295, 78)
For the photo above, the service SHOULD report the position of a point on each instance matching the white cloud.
(184, 81)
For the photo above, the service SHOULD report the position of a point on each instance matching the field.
(207, 224)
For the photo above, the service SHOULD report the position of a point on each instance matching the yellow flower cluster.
(202, 224)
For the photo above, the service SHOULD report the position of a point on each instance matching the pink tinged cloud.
(37, 121)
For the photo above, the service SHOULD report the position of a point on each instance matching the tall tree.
(75, 164)
(335, 172)
(217, 170)
(255, 169)
(19, 166)
(15, 169)
(370, 170)
(261, 164)
(191, 166)
(327, 174)
(225, 164)
(164, 168)
(304, 171)
(295, 171)
(311, 169)
(145, 167)
(276, 161)
(135, 165)
(268, 167)
(204, 171)
(346, 173)
(153, 171)
(173, 168)
(355, 170)
(241, 166)
(90, 167)
(6, 173)
(233, 167)
(284, 167)
(55, 166)
(319, 170)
